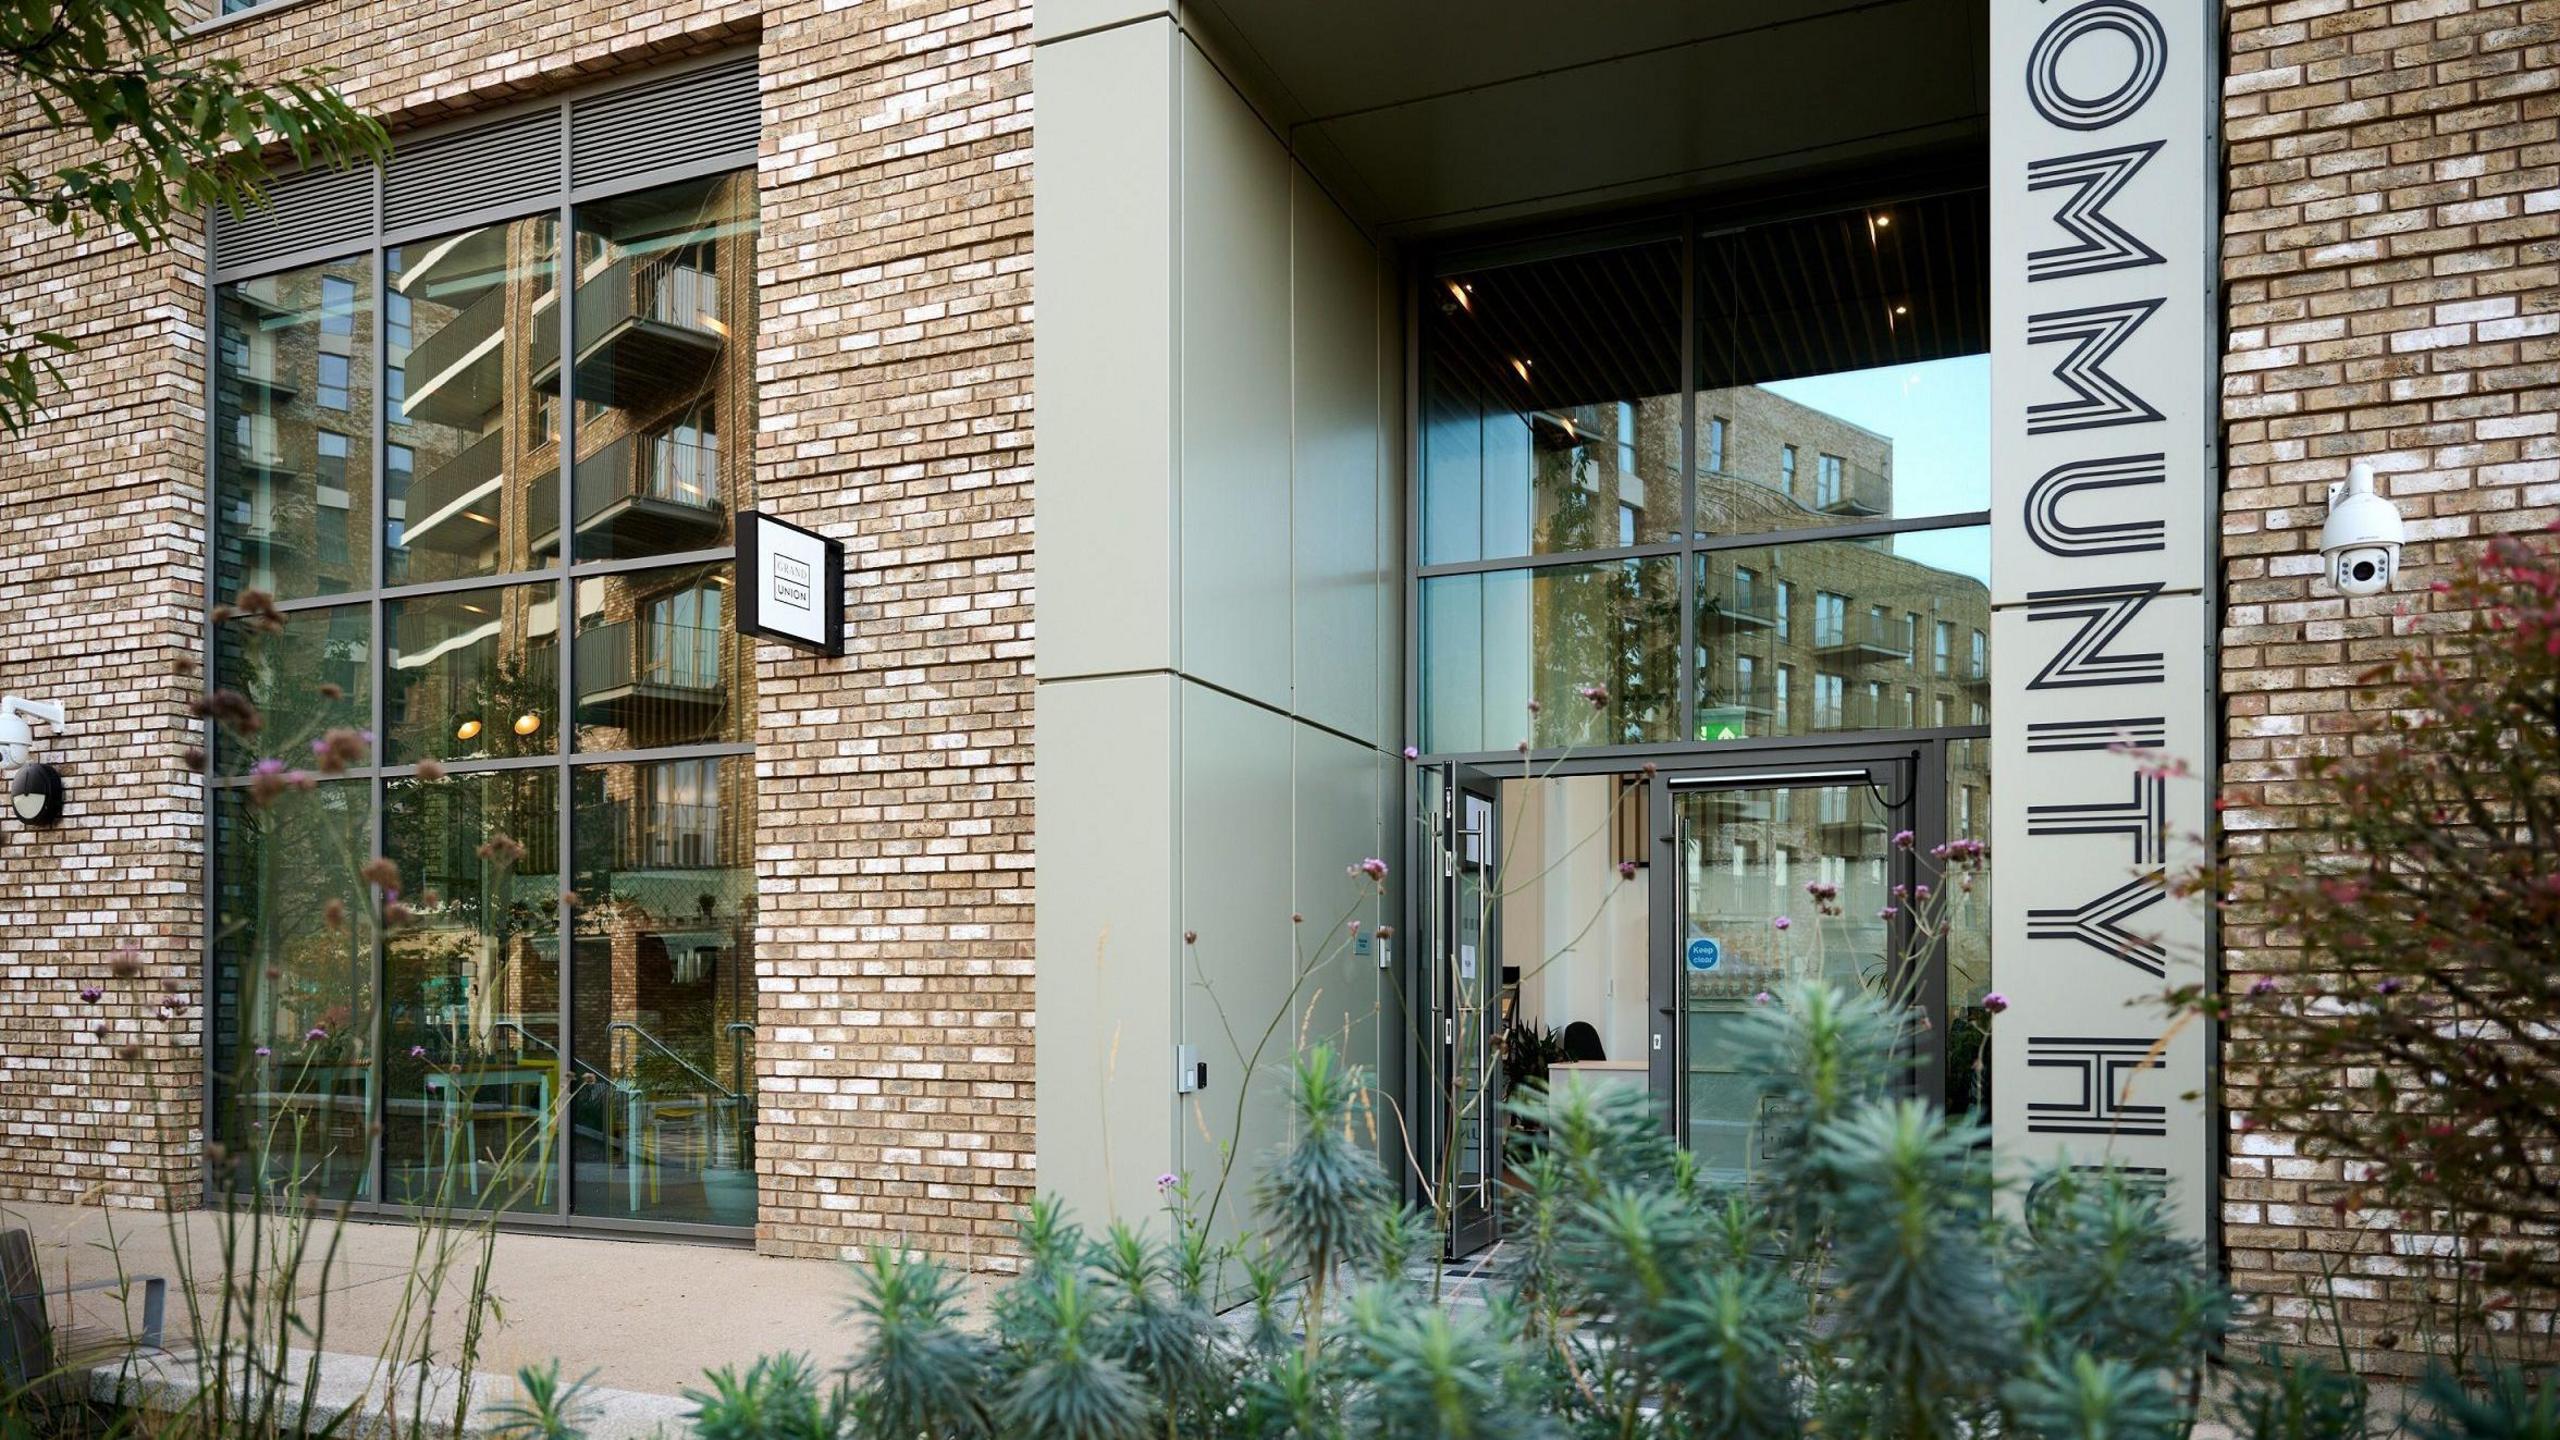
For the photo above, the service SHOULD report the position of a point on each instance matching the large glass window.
(293, 381)
(515, 695)
(665, 989)
(474, 485)
(1823, 375)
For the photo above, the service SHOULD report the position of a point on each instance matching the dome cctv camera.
(17, 738)
(2362, 536)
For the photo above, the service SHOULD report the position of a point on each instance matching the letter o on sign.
(2076, 111)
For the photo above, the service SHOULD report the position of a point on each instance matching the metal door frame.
(1910, 780)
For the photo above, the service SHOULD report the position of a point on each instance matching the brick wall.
(893, 841)
(894, 853)
(2391, 263)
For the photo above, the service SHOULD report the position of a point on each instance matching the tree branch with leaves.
(111, 125)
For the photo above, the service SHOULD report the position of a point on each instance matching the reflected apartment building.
(562, 728)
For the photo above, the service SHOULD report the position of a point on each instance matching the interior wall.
(1577, 932)
(1219, 372)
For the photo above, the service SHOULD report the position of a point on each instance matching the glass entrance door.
(1764, 862)
(1463, 959)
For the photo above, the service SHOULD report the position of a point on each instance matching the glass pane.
(1876, 634)
(666, 367)
(471, 991)
(1843, 369)
(314, 675)
(657, 662)
(1492, 643)
(1968, 922)
(292, 994)
(471, 475)
(1551, 406)
(1745, 858)
(665, 991)
(472, 674)
(293, 431)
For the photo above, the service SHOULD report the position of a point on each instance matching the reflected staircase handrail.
(681, 1063)
(574, 1062)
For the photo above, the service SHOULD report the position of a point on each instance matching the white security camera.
(2362, 537)
(17, 738)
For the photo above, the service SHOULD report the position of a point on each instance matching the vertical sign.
(790, 584)
(2104, 167)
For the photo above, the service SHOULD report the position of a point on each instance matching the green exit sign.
(1723, 722)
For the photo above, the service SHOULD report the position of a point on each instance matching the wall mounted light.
(467, 730)
(528, 722)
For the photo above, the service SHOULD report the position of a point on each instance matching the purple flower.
(1412, 754)
(1995, 1002)
(1626, 869)
(1901, 839)
(1781, 923)
(1760, 999)
(267, 767)
(91, 994)
(1919, 892)
(263, 1052)
(1167, 1181)
(2263, 986)
(1887, 913)
(2390, 987)
(417, 1052)
(315, 1033)
(1373, 867)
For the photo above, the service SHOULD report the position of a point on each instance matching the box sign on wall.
(793, 588)
(2103, 386)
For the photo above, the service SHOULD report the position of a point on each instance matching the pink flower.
(262, 1052)
(417, 1052)
(1626, 869)
(1598, 695)
(1902, 839)
(1995, 1002)
(1373, 867)
(1780, 923)
(1167, 1181)
(1412, 754)
(1887, 913)
(316, 1033)
(1760, 999)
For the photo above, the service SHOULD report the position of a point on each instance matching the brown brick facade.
(892, 841)
(2391, 264)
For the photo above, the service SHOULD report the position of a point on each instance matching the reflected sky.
(1936, 412)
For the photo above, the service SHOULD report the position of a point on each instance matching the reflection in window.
(1492, 643)
(472, 674)
(292, 994)
(469, 322)
(292, 495)
(1535, 441)
(665, 991)
(653, 663)
(665, 321)
(1871, 599)
(471, 991)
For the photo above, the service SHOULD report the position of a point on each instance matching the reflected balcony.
(1860, 491)
(642, 494)
(454, 507)
(457, 375)
(1732, 604)
(1860, 638)
(649, 329)
(634, 673)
